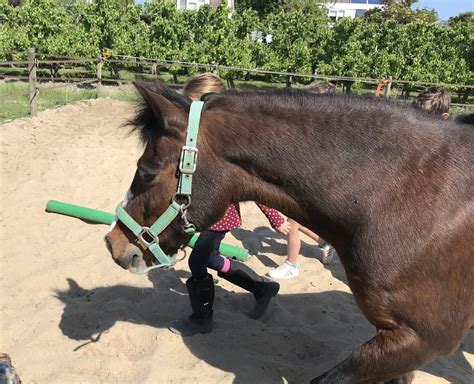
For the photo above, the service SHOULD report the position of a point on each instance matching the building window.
(359, 1)
(336, 14)
(375, 1)
(190, 4)
(359, 12)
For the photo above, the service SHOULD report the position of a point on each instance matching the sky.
(446, 8)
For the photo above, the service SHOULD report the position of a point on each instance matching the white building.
(352, 8)
(196, 4)
(337, 9)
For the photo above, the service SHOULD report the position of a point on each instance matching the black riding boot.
(201, 295)
(263, 289)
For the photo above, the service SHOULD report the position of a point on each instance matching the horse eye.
(146, 175)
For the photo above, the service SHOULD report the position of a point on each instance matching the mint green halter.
(148, 236)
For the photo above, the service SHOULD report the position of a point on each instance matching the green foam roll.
(81, 212)
(102, 217)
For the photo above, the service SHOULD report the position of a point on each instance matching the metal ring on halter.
(186, 205)
(145, 243)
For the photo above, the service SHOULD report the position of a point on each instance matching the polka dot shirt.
(233, 220)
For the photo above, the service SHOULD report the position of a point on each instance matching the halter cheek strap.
(148, 236)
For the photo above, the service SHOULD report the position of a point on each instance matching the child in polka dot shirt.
(233, 220)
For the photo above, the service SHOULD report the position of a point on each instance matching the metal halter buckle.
(184, 168)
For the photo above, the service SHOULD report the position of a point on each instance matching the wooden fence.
(34, 62)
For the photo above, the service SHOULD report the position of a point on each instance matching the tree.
(401, 13)
(310, 7)
(350, 49)
(262, 7)
(407, 3)
(463, 18)
(298, 37)
(265, 7)
(223, 38)
(463, 30)
(44, 25)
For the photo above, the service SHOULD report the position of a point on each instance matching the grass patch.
(16, 105)
(124, 93)
(13, 106)
(50, 97)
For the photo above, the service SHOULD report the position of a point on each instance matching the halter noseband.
(148, 236)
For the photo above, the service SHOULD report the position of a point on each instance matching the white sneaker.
(285, 271)
(328, 253)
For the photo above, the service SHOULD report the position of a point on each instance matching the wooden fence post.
(388, 87)
(32, 85)
(99, 77)
(153, 69)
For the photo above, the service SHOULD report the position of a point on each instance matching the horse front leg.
(388, 358)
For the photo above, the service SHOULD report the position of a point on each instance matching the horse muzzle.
(130, 258)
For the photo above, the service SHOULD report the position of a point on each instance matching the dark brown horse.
(390, 187)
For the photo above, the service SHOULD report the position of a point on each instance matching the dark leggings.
(205, 254)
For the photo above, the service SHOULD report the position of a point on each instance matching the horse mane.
(275, 101)
(465, 118)
(297, 98)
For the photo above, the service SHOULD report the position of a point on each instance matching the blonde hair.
(198, 85)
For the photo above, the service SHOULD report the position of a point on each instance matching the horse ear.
(171, 115)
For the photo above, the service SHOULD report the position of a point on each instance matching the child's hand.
(284, 228)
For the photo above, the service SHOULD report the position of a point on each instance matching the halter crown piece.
(148, 236)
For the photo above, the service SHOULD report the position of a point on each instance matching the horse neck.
(320, 168)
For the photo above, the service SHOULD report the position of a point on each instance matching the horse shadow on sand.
(263, 240)
(283, 346)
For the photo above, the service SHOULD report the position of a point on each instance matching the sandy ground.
(70, 315)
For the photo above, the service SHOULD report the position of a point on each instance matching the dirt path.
(70, 315)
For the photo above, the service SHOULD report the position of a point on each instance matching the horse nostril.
(136, 261)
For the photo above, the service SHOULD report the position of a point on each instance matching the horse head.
(162, 125)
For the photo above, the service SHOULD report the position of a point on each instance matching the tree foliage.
(288, 36)
(401, 13)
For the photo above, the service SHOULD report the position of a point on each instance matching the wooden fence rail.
(134, 60)
(34, 62)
